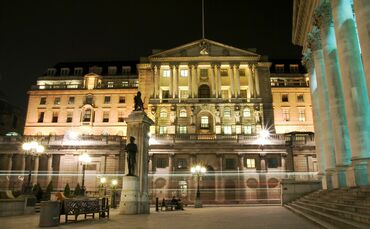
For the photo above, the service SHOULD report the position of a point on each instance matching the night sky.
(38, 34)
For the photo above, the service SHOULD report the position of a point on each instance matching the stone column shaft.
(35, 169)
(212, 80)
(362, 13)
(256, 82)
(170, 83)
(218, 70)
(237, 80)
(251, 82)
(156, 81)
(190, 82)
(232, 84)
(49, 168)
(196, 81)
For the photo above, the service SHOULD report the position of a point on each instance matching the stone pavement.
(208, 217)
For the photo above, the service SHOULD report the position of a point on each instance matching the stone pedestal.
(135, 188)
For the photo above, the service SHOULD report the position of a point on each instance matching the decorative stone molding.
(323, 15)
(307, 59)
(314, 39)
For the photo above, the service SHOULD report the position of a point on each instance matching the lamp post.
(103, 181)
(33, 149)
(84, 160)
(198, 171)
(113, 199)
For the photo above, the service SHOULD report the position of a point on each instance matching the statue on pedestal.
(139, 106)
(131, 149)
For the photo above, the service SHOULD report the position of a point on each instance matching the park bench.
(171, 205)
(87, 207)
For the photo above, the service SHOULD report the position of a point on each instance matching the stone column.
(196, 81)
(190, 83)
(252, 81)
(237, 80)
(232, 84)
(362, 13)
(220, 194)
(156, 81)
(319, 95)
(170, 83)
(49, 168)
(35, 169)
(134, 196)
(176, 82)
(213, 83)
(263, 162)
(354, 87)
(283, 162)
(170, 185)
(219, 84)
(150, 166)
(8, 167)
(323, 19)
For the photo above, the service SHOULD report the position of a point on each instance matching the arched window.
(87, 115)
(227, 112)
(183, 113)
(163, 113)
(204, 122)
(204, 91)
(247, 112)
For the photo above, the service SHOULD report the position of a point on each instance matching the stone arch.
(202, 127)
(204, 91)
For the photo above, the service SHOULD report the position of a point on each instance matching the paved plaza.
(208, 217)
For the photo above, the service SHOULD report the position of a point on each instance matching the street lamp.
(84, 160)
(33, 149)
(114, 183)
(103, 181)
(198, 171)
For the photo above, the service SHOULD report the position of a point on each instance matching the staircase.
(339, 208)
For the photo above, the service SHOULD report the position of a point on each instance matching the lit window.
(57, 101)
(106, 116)
(71, 100)
(125, 83)
(163, 130)
(166, 73)
(122, 99)
(284, 98)
(286, 115)
(227, 112)
(41, 117)
(183, 130)
(121, 116)
(184, 72)
(204, 122)
(110, 84)
(55, 116)
(247, 129)
(250, 163)
(302, 115)
(224, 72)
(204, 73)
(225, 94)
(163, 113)
(87, 116)
(247, 112)
(42, 100)
(184, 94)
(183, 113)
(69, 116)
(300, 98)
(227, 130)
(106, 99)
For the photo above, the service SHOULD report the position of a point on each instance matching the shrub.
(67, 191)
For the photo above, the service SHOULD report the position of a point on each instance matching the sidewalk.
(208, 217)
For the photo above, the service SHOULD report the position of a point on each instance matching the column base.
(340, 176)
(361, 171)
(331, 179)
(129, 196)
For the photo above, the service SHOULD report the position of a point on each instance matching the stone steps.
(347, 207)
(311, 217)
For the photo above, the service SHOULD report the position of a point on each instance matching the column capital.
(322, 16)
(314, 39)
(307, 59)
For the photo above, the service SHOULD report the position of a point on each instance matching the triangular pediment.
(204, 48)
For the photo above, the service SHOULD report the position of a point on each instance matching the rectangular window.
(242, 72)
(286, 115)
(57, 101)
(42, 100)
(126, 70)
(163, 130)
(279, 68)
(106, 116)
(41, 116)
(121, 116)
(230, 163)
(110, 84)
(181, 163)
(247, 112)
(112, 70)
(250, 163)
(184, 94)
(87, 115)
(106, 99)
(78, 71)
(284, 98)
(227, 130)
(247, 129)
(302, 115)
(125, 83)
(300, 98)
(69, 116)
(244, 93)
(161, 162)
(166, 73)
(203, 73)
(224, 72)
(165, 95)
(89, 99)
(122, 99)
(272, 162)
(294, 68)
(55, 116)
(184, 72)
(64, 71)
(71, 100)
(183, 130)
(225, 94)
(51, 71)
(204, 122)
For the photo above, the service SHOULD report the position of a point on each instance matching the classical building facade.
(211, 104)
(291, 97)
(335, 39)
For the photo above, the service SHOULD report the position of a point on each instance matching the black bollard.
(156, 204)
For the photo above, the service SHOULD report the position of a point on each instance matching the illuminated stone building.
(336, 46)
(210, 103)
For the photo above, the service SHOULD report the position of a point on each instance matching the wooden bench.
(171, 205)
(87, 207)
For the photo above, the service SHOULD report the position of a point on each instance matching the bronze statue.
(139, 106)
(131, 149)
